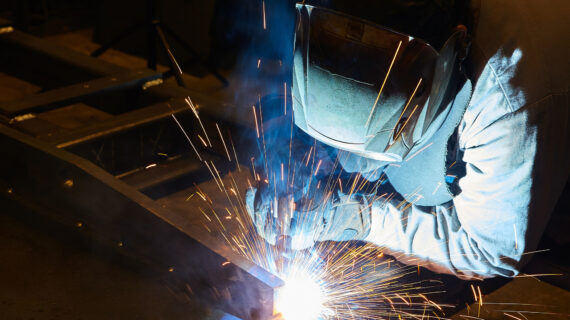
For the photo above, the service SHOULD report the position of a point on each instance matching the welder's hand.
(333, 216)
(258, 202)
(336, 217)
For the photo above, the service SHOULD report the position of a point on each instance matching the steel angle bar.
(119, 123)
(73, 93)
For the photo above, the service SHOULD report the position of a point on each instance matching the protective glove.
(333, 216)
(259, 203)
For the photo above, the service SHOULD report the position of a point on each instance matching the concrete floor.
(47, 273)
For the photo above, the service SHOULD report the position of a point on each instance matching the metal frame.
(81, 195)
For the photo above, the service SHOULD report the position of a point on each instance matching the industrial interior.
(170, 160)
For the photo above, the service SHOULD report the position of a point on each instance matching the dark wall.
(219, 31)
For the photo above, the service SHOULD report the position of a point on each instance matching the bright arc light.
(301, 298)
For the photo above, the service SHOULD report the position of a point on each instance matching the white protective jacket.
(515, 141)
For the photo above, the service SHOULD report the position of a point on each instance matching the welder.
(459, 106)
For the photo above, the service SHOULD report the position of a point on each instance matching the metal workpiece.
(81, 195)
(98, 149)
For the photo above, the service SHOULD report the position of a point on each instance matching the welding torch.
(283, 211)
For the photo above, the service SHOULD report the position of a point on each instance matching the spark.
(195, 111)
(264, 20)
(309, 156)
(152, 165)
(217, 173)
(530, 312)
(213, 176)
(480, 296)
(235, 153)
(187, 137)
(223, 142)
(262, 134)
(480, 304)
(202, 139)
(510, 315)
(436, 188)
(318, 167)
(405, 108)
(405, 123)
(201, 195)
(382, 86)
(205, 215)
(255, 119)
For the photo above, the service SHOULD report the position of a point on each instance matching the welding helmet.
(364, 88)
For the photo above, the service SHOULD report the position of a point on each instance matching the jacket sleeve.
(482, 231)
(490, 225)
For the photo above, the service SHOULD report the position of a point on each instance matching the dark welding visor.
(365, 88)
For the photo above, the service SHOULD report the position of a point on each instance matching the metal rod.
(173, 63)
